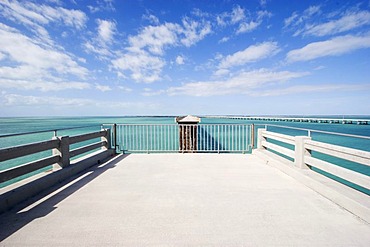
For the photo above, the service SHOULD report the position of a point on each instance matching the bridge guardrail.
(212, 138)
(61, 152)
(300, 152)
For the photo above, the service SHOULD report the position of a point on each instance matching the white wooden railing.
(300, 155)
(354, 155)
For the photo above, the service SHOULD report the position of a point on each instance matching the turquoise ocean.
(62, 126)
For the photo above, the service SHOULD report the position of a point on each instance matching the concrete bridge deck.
(182, 200)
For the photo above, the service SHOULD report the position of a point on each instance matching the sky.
(172, 57)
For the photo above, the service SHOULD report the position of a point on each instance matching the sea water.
(61, 126)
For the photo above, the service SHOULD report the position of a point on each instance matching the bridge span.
(358, 121)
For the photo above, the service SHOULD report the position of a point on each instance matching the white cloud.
(151, 18)
(70, 17)
(148, 92)
(143, 67)
(247, 27)
(243, 83)
(290, 20)
(100, 44)
(194, 31)
(246, 23)
(199, 13)
(46, 102)
(333, 47)
(347, 22)
(42, 85)
(312, 10)
(311, 89)
(102, 5)
(125, 89)
(237, 14)
(224, 40)
(252, 53)
(143, 57)
(231, 18)
(330, 24)
(320, 67)
(103, 88)
(21, 100)
(106, 30)
(262, 14)
(296, 19)
(180, 60)
(34, 67)
(221, 72)
(220, 19)
(95, 47)
(22, 50)
(93, 9)
(154, 38)
(37, 16)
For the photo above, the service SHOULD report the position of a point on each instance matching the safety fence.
(186, 138)
(346, 165)
(60, 151)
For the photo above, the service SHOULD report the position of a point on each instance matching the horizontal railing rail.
(55, 131)
(61, 152)
(27, 149)
(214, 138)
(301, 155)
(310, 131)
(350, 154)
(87, 148)
(27, 168)
(353, 155)
(85, 137)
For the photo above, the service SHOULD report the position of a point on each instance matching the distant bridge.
(299, 119)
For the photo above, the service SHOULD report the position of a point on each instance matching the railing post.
(252, 135)
(107, 138)
(260, 138)
(218, 138)
(147, 138)
(62, 151)
(300, 152)
(115, 136)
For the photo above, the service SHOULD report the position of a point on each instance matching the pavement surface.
(183, 200)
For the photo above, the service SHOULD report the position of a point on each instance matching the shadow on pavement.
(46, 202)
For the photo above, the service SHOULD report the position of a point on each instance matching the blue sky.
(163, 57)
